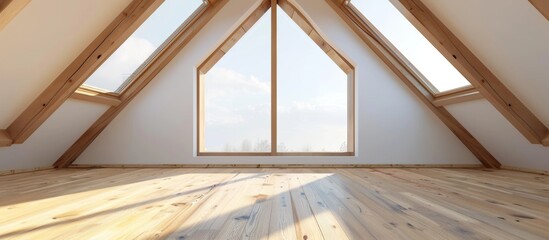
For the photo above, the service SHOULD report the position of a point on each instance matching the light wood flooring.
(334, 204)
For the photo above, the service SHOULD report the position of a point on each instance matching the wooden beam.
(5, 139)
(545, 141)
(457, 97)
(81, 68)
(301, 20)
(9, 9)
(92, 95)
(263, 7)
(476, 72)
(174, 46)
(409, 77)
(542, 6)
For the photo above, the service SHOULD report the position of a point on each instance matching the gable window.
(274, 87)
(148, 39)
(438, 74)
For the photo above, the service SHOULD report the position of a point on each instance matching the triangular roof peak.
(295, 14)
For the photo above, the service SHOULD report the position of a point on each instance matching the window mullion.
(273, 76)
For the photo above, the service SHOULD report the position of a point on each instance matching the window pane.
(237, 95)
(312, 94)
(412, 44)
(113, 73)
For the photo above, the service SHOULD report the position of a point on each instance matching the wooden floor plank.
(294, 204)
(281, 223)
(454, 199)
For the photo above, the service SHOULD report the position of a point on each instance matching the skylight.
(440, 73)
(117, 70)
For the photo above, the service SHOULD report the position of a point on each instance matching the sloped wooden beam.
(207, 65)
(409, 77)
(542, 6)
(91, 95)
(545, 141)
(476, 72)
(301, 20)
(9, 9)
(5, 139)
(81, 68)
(146, 75)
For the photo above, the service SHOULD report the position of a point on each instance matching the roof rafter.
(146, 75)
(9, 9)
(77, 72)
(5, 139)
(409, 76)
(476, 72)
(542, 6)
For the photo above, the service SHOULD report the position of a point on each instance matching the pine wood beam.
(92, 95)
(5, 139)
(457, 97)
(274, 76)
(301, 20)
(81, 68)
(143, 78)
(409, 77)
(207, 65)
(477, 73)
(542, 6)
(546, 140)
(9, 9)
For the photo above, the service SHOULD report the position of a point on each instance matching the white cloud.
(232, 98)
(221, 82)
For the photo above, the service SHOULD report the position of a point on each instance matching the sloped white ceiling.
(511, 37)
(41, 41)
(497, 135)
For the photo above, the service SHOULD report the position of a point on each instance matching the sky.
(312, 89)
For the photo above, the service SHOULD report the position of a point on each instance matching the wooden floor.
(277, 204)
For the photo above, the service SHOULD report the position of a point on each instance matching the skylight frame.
(121, 90)
(424, 81)
(308, 28)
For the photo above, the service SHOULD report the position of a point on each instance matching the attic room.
(274, 119)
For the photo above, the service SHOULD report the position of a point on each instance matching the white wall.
(510, 37)
(51, 140)
(158, 127)
(497, 135)
(41, 41)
